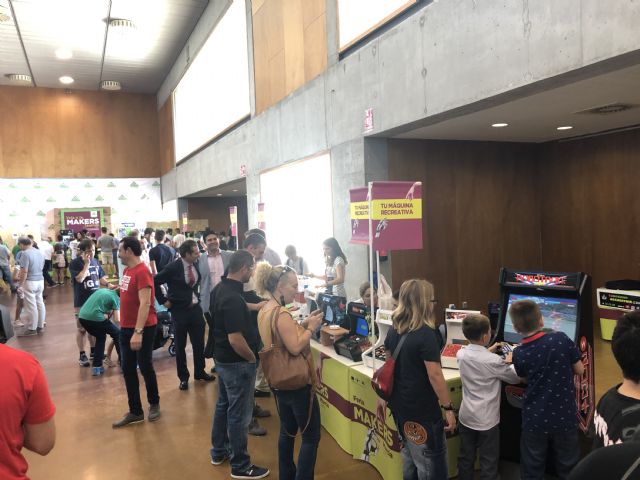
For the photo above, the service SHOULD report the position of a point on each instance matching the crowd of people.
(242, 296)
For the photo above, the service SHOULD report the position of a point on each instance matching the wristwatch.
(449, 406)
(139, 331)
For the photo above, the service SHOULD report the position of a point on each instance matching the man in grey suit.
(212, 267)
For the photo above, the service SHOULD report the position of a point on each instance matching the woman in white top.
(335, 271)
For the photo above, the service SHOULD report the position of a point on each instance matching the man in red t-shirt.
(26, 412)
(137, 331)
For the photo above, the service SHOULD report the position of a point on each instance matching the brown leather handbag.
(283, 370)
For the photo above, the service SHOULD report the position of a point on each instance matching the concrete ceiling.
(237, 188)
(139, 58)
(535, 118)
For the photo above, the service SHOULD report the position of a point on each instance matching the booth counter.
(348, 411)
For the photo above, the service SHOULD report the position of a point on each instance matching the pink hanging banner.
(262, 224)
(397, 215)
(359, 206)
(233, 219)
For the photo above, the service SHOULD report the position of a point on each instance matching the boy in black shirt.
(617, 417)
(549, 419)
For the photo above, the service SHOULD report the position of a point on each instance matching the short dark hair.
(525, 315)
(169, 231)
(625, 345)
(253, 240)
(85, 244)
(133, 244)
(148, 231)
(475, 325)
(103, 229)
(186, 247)
(206, 233)
(239, 260)
(159, 236)
(24, 241)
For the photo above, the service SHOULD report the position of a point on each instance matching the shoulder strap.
(274, 329)
(396, 350)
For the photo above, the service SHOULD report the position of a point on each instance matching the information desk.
(348, 411)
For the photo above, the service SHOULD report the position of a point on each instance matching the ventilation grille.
(609, 109)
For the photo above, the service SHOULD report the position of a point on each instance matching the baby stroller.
(164, 330)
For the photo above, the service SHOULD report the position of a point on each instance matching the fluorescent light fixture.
(235, 189)
(499, 125)
(218, 194)
(19, 78)
(64, 53)
(566, 127)
(66, 79)
(110, 85)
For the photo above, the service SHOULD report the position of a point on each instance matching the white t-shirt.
(46, 249)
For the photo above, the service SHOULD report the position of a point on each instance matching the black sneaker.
(252, 472)
(154, 412)
(128, 419)
(83, 360)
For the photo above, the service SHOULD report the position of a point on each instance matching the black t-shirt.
(231, 315)
(413, 396)
(617, 419)
(91, 283)
(163, 255)
(610, 463)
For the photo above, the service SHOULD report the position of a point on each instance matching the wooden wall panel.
(591, 207)
(47, 133)
(480, 213)
(165, 137)
(216, 210)
(289, 47)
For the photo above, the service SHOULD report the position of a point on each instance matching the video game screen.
(334, 309)
(362, 327)
(560, 315)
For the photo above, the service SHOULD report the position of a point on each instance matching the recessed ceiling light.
(218, 194)
(235, 189)
(18, 77)
(110, 85)
(64, 53)
(66, 79)
(566, 127)
(499, 125)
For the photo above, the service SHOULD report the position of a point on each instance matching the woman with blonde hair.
(298, 409)
(419, 390)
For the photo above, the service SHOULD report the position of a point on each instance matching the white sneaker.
(18, 323)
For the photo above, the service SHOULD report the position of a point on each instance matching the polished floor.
(177, 446)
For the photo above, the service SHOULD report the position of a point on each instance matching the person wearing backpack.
(420, 392)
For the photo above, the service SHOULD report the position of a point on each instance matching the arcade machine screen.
(560, 315)
(334, 310)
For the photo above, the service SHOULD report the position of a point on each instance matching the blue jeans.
(428, 460)
(533, 453)
(233, 413)
(293, 407)
(144, 359)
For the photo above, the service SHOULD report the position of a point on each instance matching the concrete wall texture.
(445, 58)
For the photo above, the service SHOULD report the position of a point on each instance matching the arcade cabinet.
(565, 303)
(356, 342)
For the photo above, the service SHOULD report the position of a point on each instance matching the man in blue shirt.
(87, 276)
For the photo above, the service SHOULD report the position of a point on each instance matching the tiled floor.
(177, 445)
